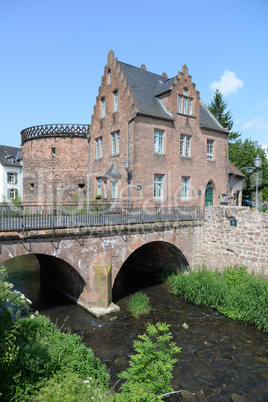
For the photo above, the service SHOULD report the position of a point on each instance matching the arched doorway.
(209, 194)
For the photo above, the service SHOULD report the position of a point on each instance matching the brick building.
(55, 159)
(152, 140)
(10, 173)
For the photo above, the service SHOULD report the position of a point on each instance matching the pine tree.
(217, 108)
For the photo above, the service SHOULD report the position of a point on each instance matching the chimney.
(164, 75)
(143, 67)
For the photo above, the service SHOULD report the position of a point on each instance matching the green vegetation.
(139, 304)
(38, 361)
(234, 292)
(150, 373)
(242, 153)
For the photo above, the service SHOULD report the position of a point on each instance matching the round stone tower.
(55, 164)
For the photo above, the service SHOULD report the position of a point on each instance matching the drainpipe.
(127, 162)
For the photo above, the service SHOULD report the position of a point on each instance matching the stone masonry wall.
(222, 244)
(54, 169)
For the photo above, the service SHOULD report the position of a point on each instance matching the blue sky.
(53, 53)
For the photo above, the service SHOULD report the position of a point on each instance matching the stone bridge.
(83, 262)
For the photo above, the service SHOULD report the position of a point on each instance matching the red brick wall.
(55, 179)
(144, 163)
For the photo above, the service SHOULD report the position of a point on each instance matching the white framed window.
(102, 108)
(185, 102)
(99, 148)
(185, 145)
(182, 145)
(185, 187)
(190, 107)
(115, 143)
(188, 146)
(114, 189)
(11, 193)
(180, 104)
(109, 76)
(99, 186)
(12, 177)
(185, 91)
(118, 142)
(210, 146)
(158, 142)
(158, 186)
(115, 101)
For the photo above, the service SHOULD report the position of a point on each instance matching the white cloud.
(227, 84)
(257, 123)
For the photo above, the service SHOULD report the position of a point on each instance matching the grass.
(38, 359)
(234, 292)
(139, 304)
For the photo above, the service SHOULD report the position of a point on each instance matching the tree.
(242, 154)
(217, 108)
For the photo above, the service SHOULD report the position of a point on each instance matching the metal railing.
(50, 130)
(23, 218)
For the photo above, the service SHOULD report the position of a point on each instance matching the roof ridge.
(146, 71)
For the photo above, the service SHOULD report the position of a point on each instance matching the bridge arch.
(54, 272)
(147, 265)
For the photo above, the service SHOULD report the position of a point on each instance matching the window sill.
(114, 156)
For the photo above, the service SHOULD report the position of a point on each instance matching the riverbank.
(233, 291)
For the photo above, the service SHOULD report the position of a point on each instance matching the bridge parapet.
(23, 218)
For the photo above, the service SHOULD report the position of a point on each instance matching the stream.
(219, 357)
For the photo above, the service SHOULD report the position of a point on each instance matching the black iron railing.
(23, 218)
(50, 130)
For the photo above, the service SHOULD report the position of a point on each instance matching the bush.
(150, 371)
(233, 292)
(35, 355)
(139, 304)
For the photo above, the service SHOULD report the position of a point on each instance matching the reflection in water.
(219, 356)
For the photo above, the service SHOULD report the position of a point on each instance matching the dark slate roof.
(147, 86)
(112, 173)
(207, 120)
(7, 152)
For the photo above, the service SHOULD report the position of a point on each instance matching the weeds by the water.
(139, 304)
(234, 292)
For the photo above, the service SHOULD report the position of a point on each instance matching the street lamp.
(257, 163)
(127, 164)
